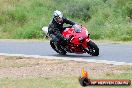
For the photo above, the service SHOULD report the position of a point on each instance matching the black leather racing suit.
(55, 29)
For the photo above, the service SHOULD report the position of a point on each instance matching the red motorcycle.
(79, 43)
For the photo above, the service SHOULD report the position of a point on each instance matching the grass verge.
(21, 72)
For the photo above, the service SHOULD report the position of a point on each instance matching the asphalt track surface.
(109, 52)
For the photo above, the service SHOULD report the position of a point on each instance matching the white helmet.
(57, 13)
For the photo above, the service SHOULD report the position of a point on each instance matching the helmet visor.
(58, 19)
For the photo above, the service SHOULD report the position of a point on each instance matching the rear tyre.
(52, 44)
(93, 48)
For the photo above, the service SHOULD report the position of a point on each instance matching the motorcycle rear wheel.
(62, 52)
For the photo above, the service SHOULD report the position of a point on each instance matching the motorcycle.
(79, 43)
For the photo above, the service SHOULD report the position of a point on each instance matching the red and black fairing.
(79, 39)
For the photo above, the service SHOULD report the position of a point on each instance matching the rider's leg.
(63, 40)
(58, 46)
(56, 41)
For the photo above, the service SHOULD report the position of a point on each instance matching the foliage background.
(105, 19)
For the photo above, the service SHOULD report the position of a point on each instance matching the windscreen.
(76, 28)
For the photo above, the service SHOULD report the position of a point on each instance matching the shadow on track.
(73, 55)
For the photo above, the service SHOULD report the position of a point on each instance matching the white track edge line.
(68, 58)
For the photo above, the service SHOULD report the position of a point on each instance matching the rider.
(55, 27)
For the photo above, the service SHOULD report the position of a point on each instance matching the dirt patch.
(42, 67)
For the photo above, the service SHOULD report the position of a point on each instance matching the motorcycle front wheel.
(93, 48)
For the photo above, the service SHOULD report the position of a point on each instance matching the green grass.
(55, 81)
(105, 19)
(39, 83)
(58, 82)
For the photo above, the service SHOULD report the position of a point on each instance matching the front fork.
(85, 44)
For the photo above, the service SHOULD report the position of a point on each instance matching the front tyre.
(93, 48)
